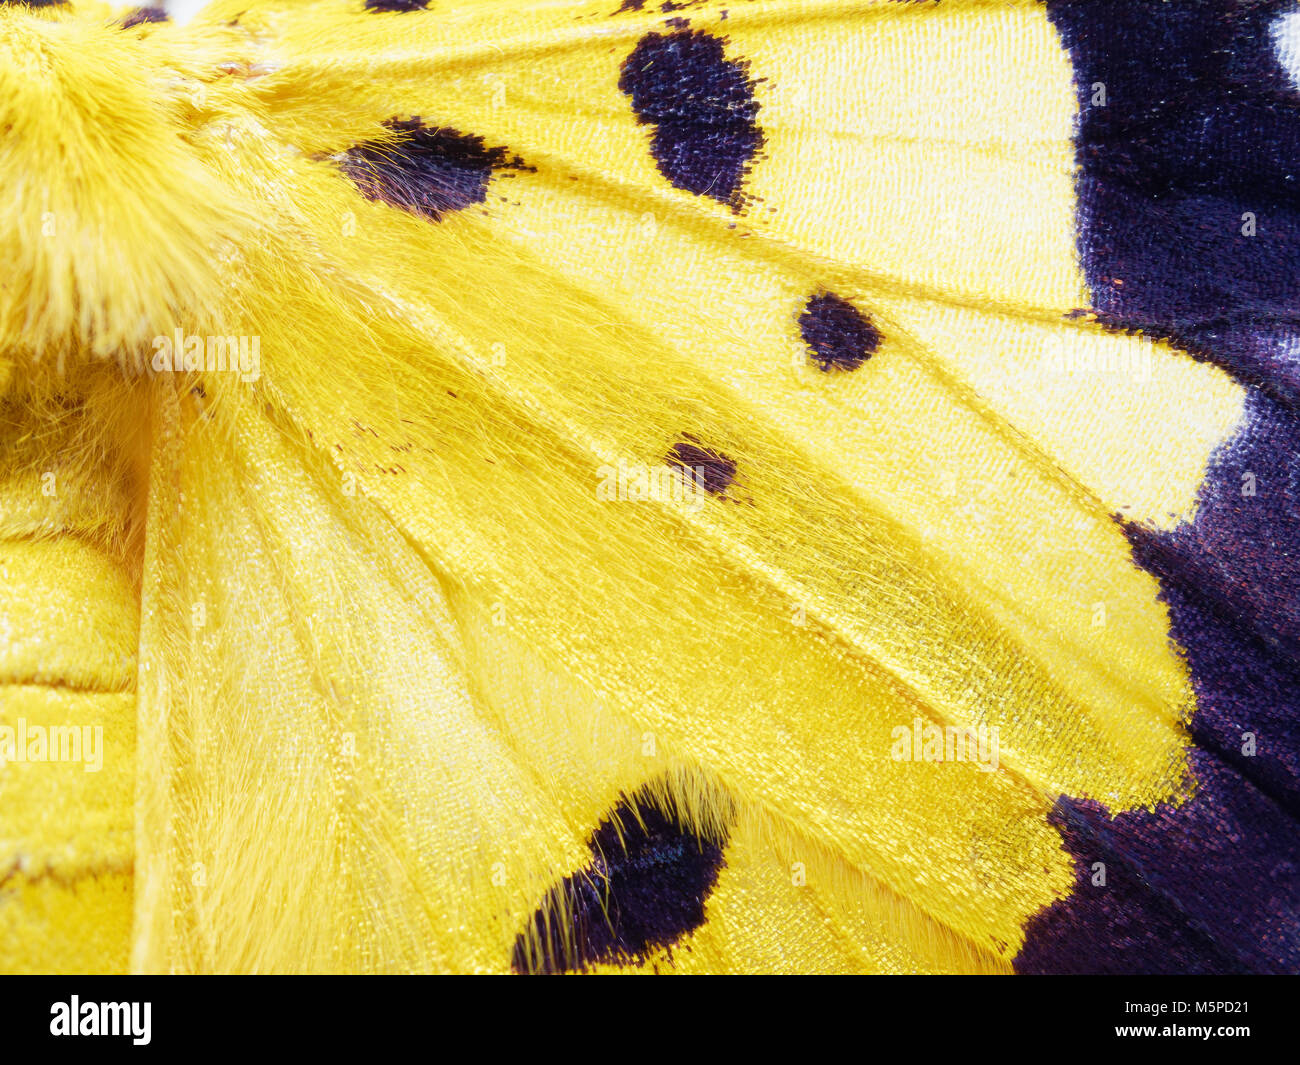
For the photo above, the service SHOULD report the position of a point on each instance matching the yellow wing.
(562, 508)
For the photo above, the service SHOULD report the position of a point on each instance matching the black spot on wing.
(643, 891)
(839, 335)
(396, 5)
(429, 171)
(665, 6)
(702, 108)
(712, 470)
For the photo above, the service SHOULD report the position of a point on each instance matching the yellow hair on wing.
(398, 658)
(99, 258)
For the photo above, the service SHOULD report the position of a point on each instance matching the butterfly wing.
(653, 450)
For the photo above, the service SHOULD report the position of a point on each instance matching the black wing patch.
(702, 107)
(643, 891)
(430, 171)
(396, 5)
(839, 336)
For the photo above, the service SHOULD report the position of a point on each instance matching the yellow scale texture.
(371, 655)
